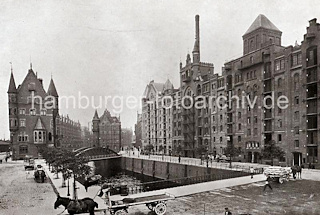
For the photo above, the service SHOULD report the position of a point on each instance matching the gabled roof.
(168, 85)
(12, 85)
(31, 78)
(158, 86)
(39, 125)
(262, 22)
(52, 91)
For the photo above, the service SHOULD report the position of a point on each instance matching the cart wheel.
(160, 208)
(281, 180)
(120, 212)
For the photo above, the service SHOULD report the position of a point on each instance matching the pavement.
(176, 191)
(237, 166)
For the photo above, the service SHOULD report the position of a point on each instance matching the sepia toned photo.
(180, 107)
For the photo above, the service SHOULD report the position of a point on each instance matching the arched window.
(199, 90)
(50, 136)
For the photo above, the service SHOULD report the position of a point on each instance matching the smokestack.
(196, 48)
(197, 29)
(197, 42)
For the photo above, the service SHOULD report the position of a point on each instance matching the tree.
(66, 161)
(271, 151)
(161, 149)
(232, 151)
(149, 148)
(202, 150)
(179, 149)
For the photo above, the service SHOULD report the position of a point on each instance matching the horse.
(84, 205)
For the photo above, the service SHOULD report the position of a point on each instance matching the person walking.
(299, 171)
(268, 180)
(294, 171)
(251, 172)
(227, 211)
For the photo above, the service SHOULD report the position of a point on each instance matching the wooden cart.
(279, 174)
(156, 203)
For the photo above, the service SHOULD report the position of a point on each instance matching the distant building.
(126, 138)
(86, 136)
(266, 69)
(138, 132)
(156, 117)
(69, 133)
(106, 131)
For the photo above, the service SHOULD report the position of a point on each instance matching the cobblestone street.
(21, 195)
(294, 198)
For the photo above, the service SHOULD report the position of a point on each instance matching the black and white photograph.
(153, 107)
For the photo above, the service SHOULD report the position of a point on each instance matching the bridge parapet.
(97, 153)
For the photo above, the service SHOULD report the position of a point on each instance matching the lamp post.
(68, 194)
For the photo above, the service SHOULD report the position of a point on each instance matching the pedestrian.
(268, 180)
(227, 211)
(309, 167)
(251, 172)
(299, 171)
(179, 158)
(294, 171)
(6, 159)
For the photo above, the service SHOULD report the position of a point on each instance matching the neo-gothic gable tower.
(52, 91)
(95, 129)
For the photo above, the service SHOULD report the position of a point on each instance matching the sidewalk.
(236, 166)
(81, 192)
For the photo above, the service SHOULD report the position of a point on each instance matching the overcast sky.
(114, 48)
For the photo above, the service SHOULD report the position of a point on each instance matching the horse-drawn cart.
(278, 173)
(156, 203)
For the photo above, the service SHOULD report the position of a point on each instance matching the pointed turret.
(12, 85)
(96, 117)
(52, 91)
(95, 129)
(262, 22)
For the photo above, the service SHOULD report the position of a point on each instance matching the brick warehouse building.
(32, 126)
(266, 69)
(106, 131)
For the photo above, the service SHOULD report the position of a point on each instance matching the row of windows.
(22, 111)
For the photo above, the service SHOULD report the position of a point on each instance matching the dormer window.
(43, 112)
(22, 111)
(32, 111)
(31, 86)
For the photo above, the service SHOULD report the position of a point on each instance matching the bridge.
(96, 153)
